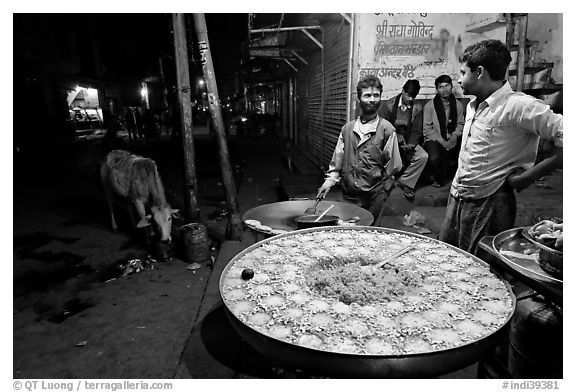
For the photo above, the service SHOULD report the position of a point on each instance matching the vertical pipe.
(509, 30)
(216, 114)
(521, 52)
(322, 100)
(295, 107)
(183, 82)
(350, 62)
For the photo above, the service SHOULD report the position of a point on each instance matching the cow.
(135, 179)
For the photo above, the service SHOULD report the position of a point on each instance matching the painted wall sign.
(397, 47)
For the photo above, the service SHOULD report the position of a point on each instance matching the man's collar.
(499, 94)
(373, 124)
(401, 106)
(495, 97)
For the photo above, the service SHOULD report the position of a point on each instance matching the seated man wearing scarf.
(443, 124)
(406, 116)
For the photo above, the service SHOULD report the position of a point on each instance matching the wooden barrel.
(196, 242)
(535, 349)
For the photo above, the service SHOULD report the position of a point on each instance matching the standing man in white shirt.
(499, 147)
(366, 154)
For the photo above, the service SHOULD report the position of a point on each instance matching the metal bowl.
(341, 365)
(282, 215)
(551, 261)
(308, 221)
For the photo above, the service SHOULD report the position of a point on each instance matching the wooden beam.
(290, 64)
(298, 56)
(280, 29)
(347, 17)
(313, 39)
(192, 211)
(216, 115)
(521, 57)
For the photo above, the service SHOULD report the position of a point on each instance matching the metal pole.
(281, 29)
(291, 109)
(183, 81)
(216, 114)
(350, 62)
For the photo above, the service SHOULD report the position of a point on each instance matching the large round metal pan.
(282, 215)
(511, 245)
(339, 365)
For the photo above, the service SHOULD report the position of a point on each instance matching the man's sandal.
(408, 192)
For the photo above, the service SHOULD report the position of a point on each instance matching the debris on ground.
(81, 344)
(137, 265)
(416, 220)
(424, 230)
(222, 214)
(194, 266)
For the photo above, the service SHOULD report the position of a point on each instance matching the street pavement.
(76, 316)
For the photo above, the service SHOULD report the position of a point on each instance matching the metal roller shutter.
(336, 61)
(310, 108)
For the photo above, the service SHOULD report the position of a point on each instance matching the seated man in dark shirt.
(406, 117)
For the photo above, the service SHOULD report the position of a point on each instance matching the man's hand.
(518, 180)
(443, 143)
(408, 150)
(451, 143)
(401, 141)
(323, 191)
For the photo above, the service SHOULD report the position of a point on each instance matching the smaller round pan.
(308, 221)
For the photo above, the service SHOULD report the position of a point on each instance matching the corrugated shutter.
(323, 94)
(310, 108)
(284, 99)
(336, 61)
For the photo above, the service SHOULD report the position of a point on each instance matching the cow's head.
(162, 218)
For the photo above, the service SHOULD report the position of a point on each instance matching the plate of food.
(525, 255)
(548, 236)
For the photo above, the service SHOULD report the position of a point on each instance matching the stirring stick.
(393, 256)
(324, 213)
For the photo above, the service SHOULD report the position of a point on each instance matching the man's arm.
(520, 179)
(461, 118)
(428, 123)
(534, 115)
(416, 131)
(334, 169)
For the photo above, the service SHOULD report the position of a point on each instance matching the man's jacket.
(389, 110)
(363, 167)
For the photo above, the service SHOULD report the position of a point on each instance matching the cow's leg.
(105, 177)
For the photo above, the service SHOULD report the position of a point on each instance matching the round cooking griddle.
(337, 364)
(282, 215)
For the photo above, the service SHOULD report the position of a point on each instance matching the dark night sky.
(148, 35)
(130, 44)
